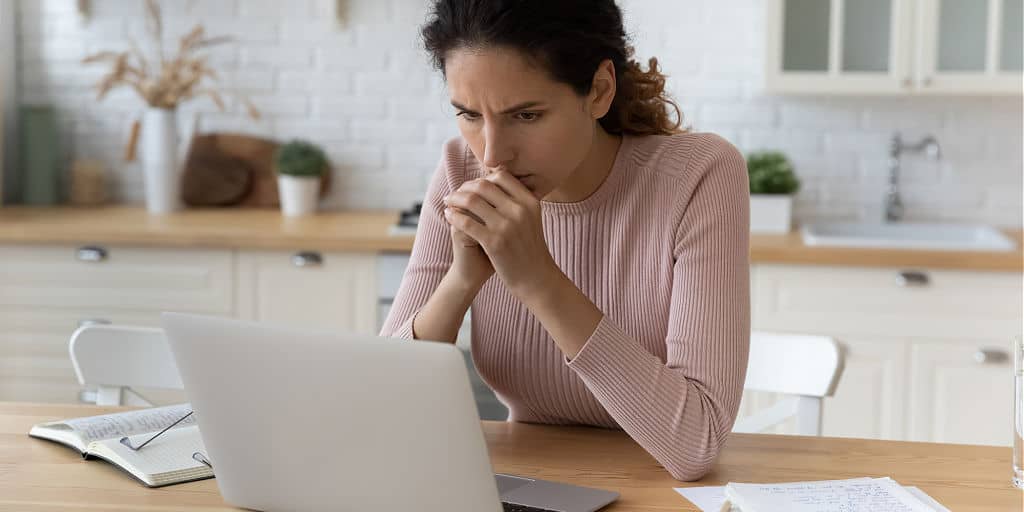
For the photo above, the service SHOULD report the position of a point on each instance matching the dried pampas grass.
(165, 83)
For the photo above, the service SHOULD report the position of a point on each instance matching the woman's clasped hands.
(496, 228)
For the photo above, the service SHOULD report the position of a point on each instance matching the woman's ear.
(602, 89)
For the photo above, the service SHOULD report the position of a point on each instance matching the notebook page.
(855, 495)
(172, 451)
(116, 425)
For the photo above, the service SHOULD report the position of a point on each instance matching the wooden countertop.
(368, 231)
(40, 475)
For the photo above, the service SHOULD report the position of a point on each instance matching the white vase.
(160, 166)
(299, 194)
(771, 213)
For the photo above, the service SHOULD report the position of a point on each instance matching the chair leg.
(108, 395)
(808, 416)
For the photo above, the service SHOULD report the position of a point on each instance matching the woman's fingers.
(466, 223)
(485, 200)
(512, 187)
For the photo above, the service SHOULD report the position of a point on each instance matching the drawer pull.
(93, 321)
(913, 278)
(307, 259)
(91, 254)
(984, 356)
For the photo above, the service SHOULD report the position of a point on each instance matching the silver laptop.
(301, 420)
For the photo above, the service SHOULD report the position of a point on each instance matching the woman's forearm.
(440, 318)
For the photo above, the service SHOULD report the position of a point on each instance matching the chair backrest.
(114, 358)
(806, 367)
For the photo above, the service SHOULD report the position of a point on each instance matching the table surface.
(37, 475)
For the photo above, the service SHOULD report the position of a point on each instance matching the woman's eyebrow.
(521, 106)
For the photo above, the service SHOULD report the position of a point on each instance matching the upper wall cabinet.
(894, 46)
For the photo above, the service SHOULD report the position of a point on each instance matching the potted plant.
(772, 187)
(299, 167)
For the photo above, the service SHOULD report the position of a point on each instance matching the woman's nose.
(497, 149)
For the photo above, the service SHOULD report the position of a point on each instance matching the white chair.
(805, 367)
(114, 358)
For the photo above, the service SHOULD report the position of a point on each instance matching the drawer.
(891, 302)
(308, 289)
(117, 277)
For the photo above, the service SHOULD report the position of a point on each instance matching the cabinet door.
(309, 289)
(870, 399)
(961, 392)
(969, 46)
(839, 46)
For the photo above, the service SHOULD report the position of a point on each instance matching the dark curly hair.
(568, 39)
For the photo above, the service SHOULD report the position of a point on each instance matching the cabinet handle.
(91, 254)
(907, 82)
(93, 321)
(913, 278)
(307, 259)
(927, 82)
(984, 356)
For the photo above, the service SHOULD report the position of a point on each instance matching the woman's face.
(516, 118)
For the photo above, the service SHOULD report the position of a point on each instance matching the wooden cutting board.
(226, 169)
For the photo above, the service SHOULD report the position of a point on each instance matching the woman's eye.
(528, 116)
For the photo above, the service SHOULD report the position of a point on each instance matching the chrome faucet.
(893, 203)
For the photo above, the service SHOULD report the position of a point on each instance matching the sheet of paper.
(710, 498)
(131, 423)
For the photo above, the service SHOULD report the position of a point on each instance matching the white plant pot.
(299, 194)
(162, 174)
(770, 213)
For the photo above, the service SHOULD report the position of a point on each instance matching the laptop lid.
(304, 420)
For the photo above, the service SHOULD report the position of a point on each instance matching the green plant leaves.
(770, 172)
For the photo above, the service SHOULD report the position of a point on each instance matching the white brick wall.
(363, 89)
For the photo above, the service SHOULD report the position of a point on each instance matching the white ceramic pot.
(299, 194)
(771, 213)
(161, 171)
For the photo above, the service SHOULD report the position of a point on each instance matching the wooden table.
(38, 475)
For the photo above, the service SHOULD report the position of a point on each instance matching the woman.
(604, 252)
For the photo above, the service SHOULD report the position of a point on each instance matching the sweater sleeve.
(682, 410)
(431, 251)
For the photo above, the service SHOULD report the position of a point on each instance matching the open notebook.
(167, 460)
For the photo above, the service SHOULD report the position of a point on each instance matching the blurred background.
(275, 175)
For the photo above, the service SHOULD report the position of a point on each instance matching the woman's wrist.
(463, 283)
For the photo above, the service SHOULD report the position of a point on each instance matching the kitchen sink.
(907, 235)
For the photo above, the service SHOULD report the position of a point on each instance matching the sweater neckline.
(605, 189)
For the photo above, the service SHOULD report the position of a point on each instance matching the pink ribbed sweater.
(661, 247)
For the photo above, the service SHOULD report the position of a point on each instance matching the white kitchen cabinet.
(46, 292)
(888, 302)
(969, 46)
(909, 338)
(870, 400)
(114, 277)
(893, 47)
(308, 289)
(960, 392)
